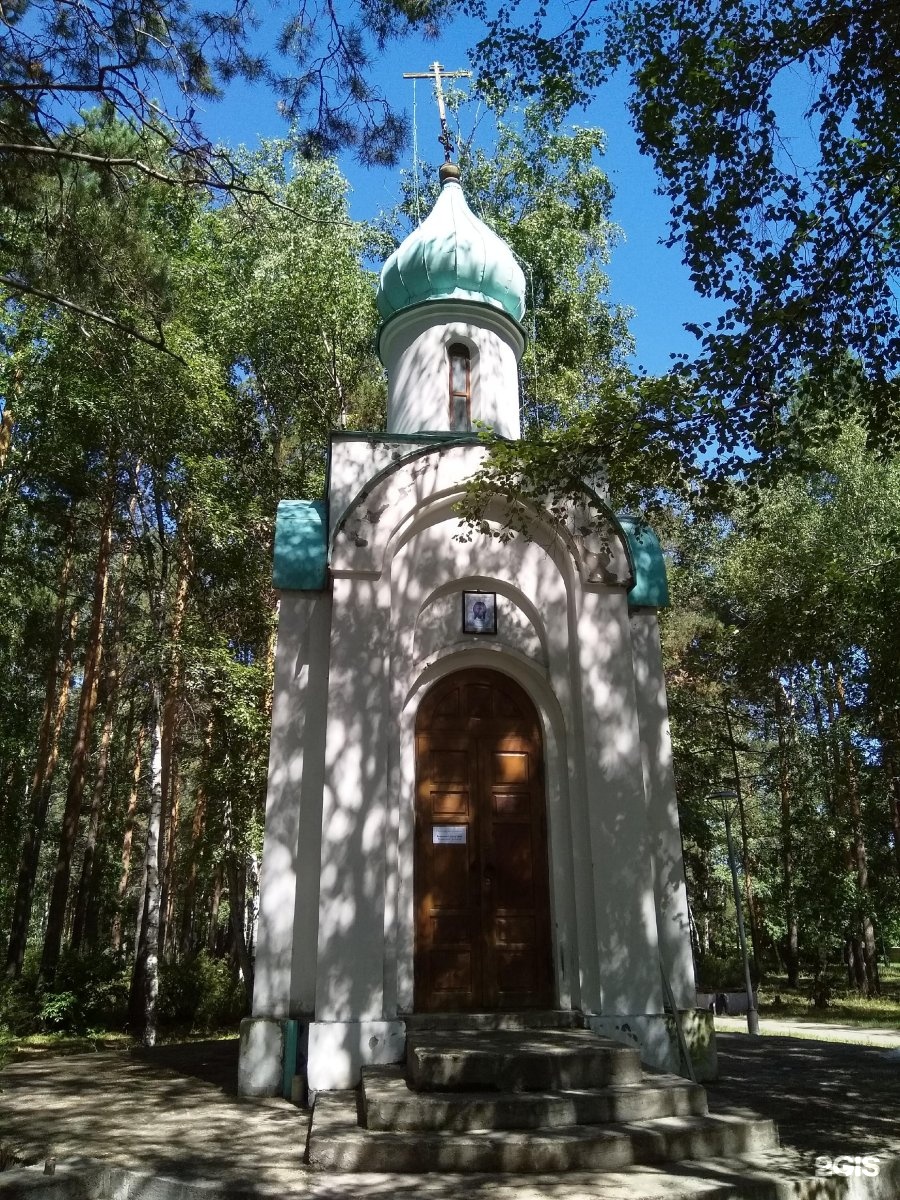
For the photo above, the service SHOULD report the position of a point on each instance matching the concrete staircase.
(526, 1095)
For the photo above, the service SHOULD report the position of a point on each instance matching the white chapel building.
(471, 804)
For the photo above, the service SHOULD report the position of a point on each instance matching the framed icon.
(479, 612)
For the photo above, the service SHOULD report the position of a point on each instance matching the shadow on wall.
(358, 866)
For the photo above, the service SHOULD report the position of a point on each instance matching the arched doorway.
(481, 875)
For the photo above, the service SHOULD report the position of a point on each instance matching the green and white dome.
(452, 255)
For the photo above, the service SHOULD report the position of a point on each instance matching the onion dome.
(452, 255)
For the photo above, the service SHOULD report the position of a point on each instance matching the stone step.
(775, 1175)
(337, 1143)
(527, 1019)
(507, 1061)
(389, 1103)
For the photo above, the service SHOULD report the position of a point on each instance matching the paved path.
(173, 1112)
(822, 1031)
(826, 1098)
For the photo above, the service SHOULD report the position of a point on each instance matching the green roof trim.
(650, 588)
(301, 546)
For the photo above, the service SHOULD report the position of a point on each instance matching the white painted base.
(338, 1050)
(261, 1062)
(655, 1036)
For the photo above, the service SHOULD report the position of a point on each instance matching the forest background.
(184, 323)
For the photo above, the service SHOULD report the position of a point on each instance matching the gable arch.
(422, 487)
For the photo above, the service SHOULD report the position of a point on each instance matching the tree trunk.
(236, 911)
(169, 829)
(212, 932)
(145, 979)
(80, 750)
(745, 847)
(823, 740)
(56, 701)
(167, 906)
(858, 959)
(792, 940)
(128, 837)
(79, 917)
(236, 898)
(860, 857)
(6, 428)
(890, 754)
(186, 937)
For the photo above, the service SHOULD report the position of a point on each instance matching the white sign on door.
(448, 835)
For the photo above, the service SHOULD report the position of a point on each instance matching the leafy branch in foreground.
(775, 133)
(636, 441)
(145, 69)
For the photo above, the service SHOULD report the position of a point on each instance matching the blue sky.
(644, 274)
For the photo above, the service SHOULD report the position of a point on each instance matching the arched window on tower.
(460, 387)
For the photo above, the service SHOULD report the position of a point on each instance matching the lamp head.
(723, 794)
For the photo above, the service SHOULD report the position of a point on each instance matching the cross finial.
(438, 74)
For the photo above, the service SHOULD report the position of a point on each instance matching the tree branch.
(109, 163)
(28, 289)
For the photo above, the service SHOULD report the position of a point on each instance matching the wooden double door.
(481, 869)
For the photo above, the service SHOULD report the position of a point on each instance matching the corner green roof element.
(452, 255)
(301, 546)
(650, 588)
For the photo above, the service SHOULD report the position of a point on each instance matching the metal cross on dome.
(437, 73)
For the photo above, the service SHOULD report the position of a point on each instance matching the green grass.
(51, 1045)
(845, 1005)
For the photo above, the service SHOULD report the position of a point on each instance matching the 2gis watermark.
(859, 1166)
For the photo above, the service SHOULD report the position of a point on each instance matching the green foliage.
(90, 993)
(624, 441)
(87, 993)
(271, 316)
(721, 974)
(788, 218)
(151, 67)
(772, 130)
(845, 1007)
(201, 993)
(783, 617)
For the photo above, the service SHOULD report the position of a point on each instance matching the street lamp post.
(726, 796)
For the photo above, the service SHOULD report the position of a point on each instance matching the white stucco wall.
(670, 889)
(414, 351)
(337, 917)
(625, 913)
(436, 620)
(287, 935)
(533, 585)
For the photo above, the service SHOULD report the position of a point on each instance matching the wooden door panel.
(451, 887)
(479, 701)
(513, 869)
(448, 766)
(511, 804)
(482, 905)
(509, 766)
(448, 925)
(450, 804)
(452, 976)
